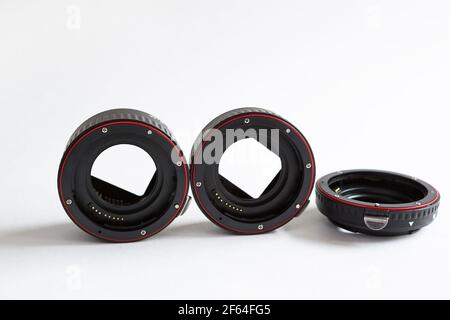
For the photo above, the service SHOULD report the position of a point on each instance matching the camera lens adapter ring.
(227, 205)
(377, 202)
(109, 212)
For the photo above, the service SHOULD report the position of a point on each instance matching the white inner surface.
(250, 166)
(125, 166)
(367, 83)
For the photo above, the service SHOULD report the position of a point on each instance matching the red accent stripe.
(327, 195)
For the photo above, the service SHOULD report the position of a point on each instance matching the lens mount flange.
(377, 202)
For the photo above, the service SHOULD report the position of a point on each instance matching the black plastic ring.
(377, 202)
(285, 197)
(107, 211)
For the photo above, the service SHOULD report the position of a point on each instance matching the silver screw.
(105, 130)
(308, 166)
(179, 163)
(247, 120)
(143, 232)
(377, 204)
(288, 130)
(149, 132)
(298, 206)
(177, 206)
(198, 184)
(260, 227)
(68, 202)
(419, 203)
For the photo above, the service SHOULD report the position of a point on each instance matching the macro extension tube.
(105, 210)
(225, 203)
(371, 202)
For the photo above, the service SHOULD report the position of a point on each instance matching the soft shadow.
(62, 234)
(310, 226)
(313, 226)
(203, 229)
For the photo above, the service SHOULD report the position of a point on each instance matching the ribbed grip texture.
(118, 115)
(353, 218)
(346, 211)
(225, 116)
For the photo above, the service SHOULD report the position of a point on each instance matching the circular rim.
(432, 196)
(294, 209)
(86, 224)
(392, 218)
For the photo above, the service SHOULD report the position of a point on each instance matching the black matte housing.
(107, 211)
(285, 197)
(377, 202)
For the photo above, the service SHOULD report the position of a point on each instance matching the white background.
(367, 82)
